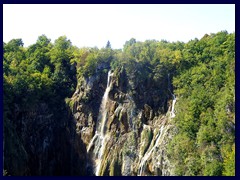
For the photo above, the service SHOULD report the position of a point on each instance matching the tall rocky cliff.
(41, 140)
(125, 124)
(112, 125)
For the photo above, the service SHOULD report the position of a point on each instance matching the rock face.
(38, 142)
(114, 124)
(132, 136)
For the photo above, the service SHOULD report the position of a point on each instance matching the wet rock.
(135, 113)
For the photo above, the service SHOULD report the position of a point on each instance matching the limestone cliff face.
(114, 124)
(129, 136)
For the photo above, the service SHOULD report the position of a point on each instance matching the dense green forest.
(201, 71)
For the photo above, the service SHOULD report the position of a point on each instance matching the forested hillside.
(151, 108)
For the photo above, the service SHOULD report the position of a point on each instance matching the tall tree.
(108, 45)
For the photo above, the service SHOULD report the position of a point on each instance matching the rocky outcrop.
(39, 141)
(137, 129)
(114, 124)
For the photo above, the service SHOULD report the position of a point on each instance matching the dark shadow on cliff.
(42, 140)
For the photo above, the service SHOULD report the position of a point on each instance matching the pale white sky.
(93, 25)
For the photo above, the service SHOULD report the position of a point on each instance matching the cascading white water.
(92, 141)
(146, 156)
(172, 113)
(103, 110)
(160, 136)
(100, 138)
(173, 105)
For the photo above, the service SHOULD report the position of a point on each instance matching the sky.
(89, 25)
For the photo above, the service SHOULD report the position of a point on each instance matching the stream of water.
(100, 138)
(160, 136)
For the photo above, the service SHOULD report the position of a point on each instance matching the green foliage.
(37, 73)
(202, 74)
(229, 162)
(179, 149)
(38, 54)
(205, 86)
(88, 60)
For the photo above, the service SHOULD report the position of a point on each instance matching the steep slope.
(123, 137)
(38, 142)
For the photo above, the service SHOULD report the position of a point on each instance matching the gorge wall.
(112, 125)
(125, 125)
(41, 140)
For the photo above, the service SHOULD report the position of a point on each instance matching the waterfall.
(173, 105)
(172, 113)
(160, 136)
(100, 138)
(103, 110)
(159, 139)
(92, 141)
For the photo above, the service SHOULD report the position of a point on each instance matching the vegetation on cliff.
(201, 73)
